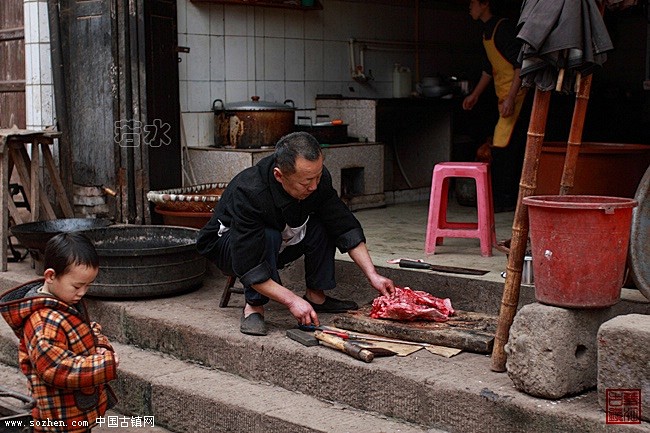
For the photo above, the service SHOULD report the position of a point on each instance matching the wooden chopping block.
(465, 330)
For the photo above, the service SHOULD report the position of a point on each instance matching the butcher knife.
(419, 264)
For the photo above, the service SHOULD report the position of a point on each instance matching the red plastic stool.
(437, 225)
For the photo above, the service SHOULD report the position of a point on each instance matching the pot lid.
(256, 105)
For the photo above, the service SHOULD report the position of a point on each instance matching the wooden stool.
(230, 288)
(437, 225)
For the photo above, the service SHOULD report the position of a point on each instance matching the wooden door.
(12, 64)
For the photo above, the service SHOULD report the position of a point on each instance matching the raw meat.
(408, 304)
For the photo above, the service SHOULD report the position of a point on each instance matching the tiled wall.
(39, 90)
(278, 54)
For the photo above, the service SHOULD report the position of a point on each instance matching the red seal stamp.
(623, 406)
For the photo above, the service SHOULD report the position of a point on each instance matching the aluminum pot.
(253, 124)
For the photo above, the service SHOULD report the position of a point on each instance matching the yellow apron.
(503, 74)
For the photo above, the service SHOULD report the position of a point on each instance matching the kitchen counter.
(356, 169)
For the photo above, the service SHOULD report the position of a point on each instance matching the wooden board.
(465, 330)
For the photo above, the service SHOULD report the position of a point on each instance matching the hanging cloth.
(560, 34)
(502, 73)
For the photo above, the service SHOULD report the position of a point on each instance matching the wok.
(34, 235)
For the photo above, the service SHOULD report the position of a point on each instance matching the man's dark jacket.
(254, 200)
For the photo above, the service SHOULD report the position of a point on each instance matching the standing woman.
(504, 149)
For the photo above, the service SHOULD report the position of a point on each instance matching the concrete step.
(458, 394)
(186, 397)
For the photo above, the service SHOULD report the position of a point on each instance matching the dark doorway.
(163, 109)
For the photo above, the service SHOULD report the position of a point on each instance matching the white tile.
(251, 21)
(259, 88)
(274, 22)
(274, 91)
(46, 63)
(29, 103)
(294, 52)
(190, 123)
(182, 66)
(294, 24)
(43, 23)
(259, 58)
(181, 15)
(198, 18)
(29, 67)
(313, 60)
(47, 104)
(217, 58)
(205, 135)
(313, 25)
(218, 91)
(312, 88)
(216, 19)
(37, 116)
(35, 60)
(259, 21)
(237, 91)
(273, 59)
(251, 58)
(198, 96)
(339, 23)
(31, 33)
(198, 59)
(182, 95)
(27, 19)
(337, 64)
(235, 20)
(235, 58)
(295, 90)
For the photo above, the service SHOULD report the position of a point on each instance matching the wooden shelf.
(284, 4)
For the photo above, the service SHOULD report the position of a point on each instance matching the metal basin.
(146, 261)
(34, 236)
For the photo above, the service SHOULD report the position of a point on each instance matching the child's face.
(73, 284)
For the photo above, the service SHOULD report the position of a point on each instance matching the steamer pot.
(252, 124)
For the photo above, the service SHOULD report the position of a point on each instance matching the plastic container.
(401, 81)
(579, 248)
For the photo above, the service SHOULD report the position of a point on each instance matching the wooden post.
(575, 134)
(527, 186)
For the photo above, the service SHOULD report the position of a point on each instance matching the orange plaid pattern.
(58, 354)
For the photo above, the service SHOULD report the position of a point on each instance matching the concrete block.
(624, 358)
(552, 351)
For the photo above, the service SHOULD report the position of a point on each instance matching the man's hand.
(303, 311)
(507, 107)
(470, 101)
(484, 153)
(383, 285)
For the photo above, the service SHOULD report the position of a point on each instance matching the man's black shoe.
(332, 305)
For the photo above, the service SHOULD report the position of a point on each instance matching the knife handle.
(413, 264)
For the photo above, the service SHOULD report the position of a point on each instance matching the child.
(67, 360)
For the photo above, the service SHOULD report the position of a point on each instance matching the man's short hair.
(294, 145)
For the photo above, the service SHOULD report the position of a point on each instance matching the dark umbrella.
(563, 41)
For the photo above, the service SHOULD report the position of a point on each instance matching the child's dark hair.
(66, 249)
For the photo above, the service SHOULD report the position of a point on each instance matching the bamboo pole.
(575, 134)
(527, 186)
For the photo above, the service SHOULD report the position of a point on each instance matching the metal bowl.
(34, 235)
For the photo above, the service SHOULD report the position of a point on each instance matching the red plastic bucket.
(579, 247)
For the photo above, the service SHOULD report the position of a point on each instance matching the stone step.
(186, 397)
(458, 394)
